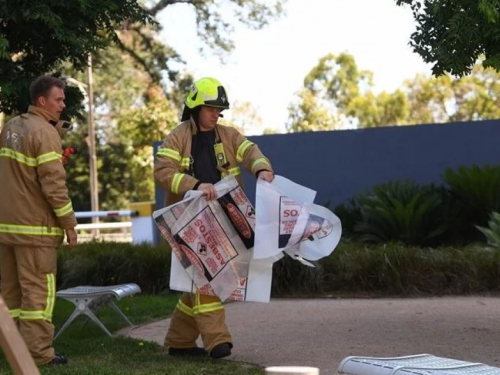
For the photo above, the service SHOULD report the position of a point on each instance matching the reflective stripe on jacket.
(174, 155)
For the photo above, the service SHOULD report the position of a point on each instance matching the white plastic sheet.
(212, 245)
(287, 221)
(226, 248)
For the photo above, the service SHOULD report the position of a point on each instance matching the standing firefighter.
(194, 156)
(35, 214)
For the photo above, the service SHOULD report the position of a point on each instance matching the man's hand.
(266, 176)
(71, 238)
(208, 191)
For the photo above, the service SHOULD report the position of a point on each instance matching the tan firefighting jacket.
(34, 205)
(174, 158)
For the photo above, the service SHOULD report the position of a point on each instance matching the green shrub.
(397, 270)
(492, 233)
(106, 263)
(349, 214)
(292, 278)
(451, 214)
(477, 191)
(425, 215)
(354, 268)
(401, 211)
(393, 269)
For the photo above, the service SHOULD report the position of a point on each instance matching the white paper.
(296, 226)
(226, 248)
(212, 245)
(325, 229)
(294, 191)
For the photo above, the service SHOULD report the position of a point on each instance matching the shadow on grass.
(90, 351)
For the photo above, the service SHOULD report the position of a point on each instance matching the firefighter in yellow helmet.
(198, 153)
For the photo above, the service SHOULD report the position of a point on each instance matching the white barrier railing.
(92, 214)
(120, 225)
(138, 229)
(115, 231)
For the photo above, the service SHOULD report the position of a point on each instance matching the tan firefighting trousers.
(197, 314)
(28, 286)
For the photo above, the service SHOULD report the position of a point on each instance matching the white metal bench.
(89, 299)
(420, 364)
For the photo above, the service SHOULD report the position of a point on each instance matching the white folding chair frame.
(89, 299)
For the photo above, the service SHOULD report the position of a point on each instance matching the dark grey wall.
(340, 164)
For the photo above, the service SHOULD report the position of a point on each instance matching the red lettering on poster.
(239, 221)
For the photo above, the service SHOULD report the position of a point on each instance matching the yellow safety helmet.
(207, 91)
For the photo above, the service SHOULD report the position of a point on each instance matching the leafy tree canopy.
(453, 34)
(337, 95)
(139, 82)
(36, 37)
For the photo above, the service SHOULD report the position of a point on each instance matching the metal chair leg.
(94, 318)
(72, 317)
(82, 307)
(117, 309)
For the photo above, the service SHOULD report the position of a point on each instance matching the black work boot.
(221, 350)
(187, 352)
(58, 360)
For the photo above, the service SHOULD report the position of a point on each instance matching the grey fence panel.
(341, 164)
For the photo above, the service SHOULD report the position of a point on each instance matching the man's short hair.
(42, 85)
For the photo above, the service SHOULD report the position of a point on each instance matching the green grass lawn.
(90, 351)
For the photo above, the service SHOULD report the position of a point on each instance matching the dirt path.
(320, 333)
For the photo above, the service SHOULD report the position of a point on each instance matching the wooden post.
(94, 188)
(13, 345)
